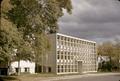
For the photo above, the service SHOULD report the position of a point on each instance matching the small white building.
(25, 67)
(103, 58)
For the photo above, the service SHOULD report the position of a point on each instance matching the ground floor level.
(32, 67)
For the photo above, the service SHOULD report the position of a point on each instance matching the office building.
(69, 55)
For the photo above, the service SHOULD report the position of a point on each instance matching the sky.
(96, 20)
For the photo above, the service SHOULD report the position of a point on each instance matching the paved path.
(85, 77)
(95, 78)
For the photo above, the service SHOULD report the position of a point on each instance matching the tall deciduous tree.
(106, 49)
(10, 38)
(112, 50)
(32, 20)
(37, 17)
(117, 52)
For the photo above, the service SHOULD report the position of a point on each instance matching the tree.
(10, 38)
(117, 52)
(112, 50)
(37, 17)
(5, 35)
(32, 20)
(106, 49)
(24, 52)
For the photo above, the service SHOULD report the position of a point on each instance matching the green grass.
(8, 78)
(23, 76)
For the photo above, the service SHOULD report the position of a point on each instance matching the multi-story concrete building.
(69, 55)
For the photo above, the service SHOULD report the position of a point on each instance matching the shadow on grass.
(8, 78)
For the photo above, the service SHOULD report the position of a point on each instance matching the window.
(68, 68)
(49, 69)
(62, 56)
(61, 68)
(68, 39)
(65, 57)
(62, 43)
(58, 56)
(61, 37)
(65, 38)
(58, 68)
(58, 52)
(58, 37)
(65, 68)
(27, 69)
(71, 40)
(16, 69)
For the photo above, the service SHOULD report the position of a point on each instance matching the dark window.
(65, 57)
(58, 68)
(58, 56)
(61, 38)
(58, 37)
(62, 56)
(16, 69)
(27, 69)
(49, 69)
(65, 38)
(62, 68)
(58, 52)
(3, 71)
(68, 57)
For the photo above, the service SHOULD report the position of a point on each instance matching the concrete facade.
(67, 55)
(25, 66)
(70, 55)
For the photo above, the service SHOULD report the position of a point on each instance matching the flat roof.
(75, 38)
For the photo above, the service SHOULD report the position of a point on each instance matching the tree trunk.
(18, 73)
(0, 7)
(8, 70)
(42, 64)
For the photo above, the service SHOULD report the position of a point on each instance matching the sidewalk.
(69, 77)
(79, 76)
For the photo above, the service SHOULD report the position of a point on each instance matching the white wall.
(23, 65)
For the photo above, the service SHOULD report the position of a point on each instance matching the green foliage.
(106, 49)
(30, 21)
(112, 50)
(38, 15)
(106, 66)
(10, 38)
(35, 18)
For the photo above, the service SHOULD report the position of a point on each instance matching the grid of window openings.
(71, 50)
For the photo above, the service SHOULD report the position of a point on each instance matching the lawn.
(9, 78)
(26, 77)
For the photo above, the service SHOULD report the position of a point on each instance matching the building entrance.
(80, 66)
